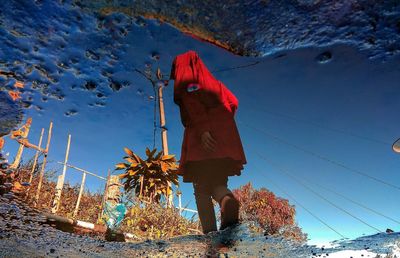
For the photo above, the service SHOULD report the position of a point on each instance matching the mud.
(259, 28)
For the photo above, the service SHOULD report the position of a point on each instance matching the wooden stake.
(141, 186)
(80, 194)
(57, 198)
(25, 134)
(104, 195)
(36, 156)
(43, 165)
(180, 203)
(114, 191)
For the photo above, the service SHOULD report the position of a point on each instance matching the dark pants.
(207, 188)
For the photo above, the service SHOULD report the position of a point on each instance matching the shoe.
(229, 211)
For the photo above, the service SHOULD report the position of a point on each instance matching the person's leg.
(205, 207)
(219, 191)
(228, 203)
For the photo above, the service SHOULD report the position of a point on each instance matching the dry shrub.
(89, 207)
(154, 221)
(269, 213)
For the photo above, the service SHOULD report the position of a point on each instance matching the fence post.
(113, 191)
(180, 203)
(104, 195)
(60, 184)
(141, 186)
(43, 165)
(80, 194)
(17, 160)
(36, 156)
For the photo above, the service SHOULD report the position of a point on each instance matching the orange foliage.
(15, 95)
(19, 84)
(17, 187)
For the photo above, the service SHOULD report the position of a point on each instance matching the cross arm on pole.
(27, 144)
(82, 170)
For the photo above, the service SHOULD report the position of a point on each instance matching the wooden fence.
(112, 184)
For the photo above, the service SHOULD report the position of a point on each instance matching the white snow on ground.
(395, 248)
(324, 244)
(353, 253)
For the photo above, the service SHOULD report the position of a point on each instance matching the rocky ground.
(23, 233)
(260, 28)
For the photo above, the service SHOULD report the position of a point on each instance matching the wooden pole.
(43, 164)
(36, 156)
(164, 138)
(180, 203)
(80, 194)
(141, 186)
(57, 198)
(25, 134)
(105, 195)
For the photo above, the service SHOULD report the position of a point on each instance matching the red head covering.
(188, 69)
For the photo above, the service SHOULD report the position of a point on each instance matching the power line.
(321, 157)
(247, 65)
(349, 199)
(358, 203)
(305, 208)
(278, 114)
(236, 67)
(273, 164)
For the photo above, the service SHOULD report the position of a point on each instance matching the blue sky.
(350, 93)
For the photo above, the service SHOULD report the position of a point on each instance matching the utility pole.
(60, 181)
(26, 127)
(164, 138)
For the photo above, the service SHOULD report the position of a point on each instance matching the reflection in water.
(68, 64)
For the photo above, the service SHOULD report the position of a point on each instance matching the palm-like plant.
(150, 177)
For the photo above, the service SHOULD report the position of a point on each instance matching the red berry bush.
(269, 213)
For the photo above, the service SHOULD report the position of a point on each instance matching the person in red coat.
(212, 149)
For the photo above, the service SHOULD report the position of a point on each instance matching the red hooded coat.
(205, 105)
